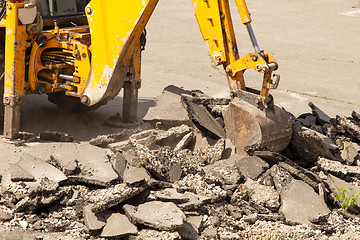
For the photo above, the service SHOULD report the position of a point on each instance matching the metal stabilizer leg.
(14, 84)
(12, 121)
(130, 101)
(131, 89)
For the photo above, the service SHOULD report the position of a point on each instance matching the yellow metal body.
(14, 53)
(116, 35)
(14, 84)
(97, 62)
(208, 17)
(257, 62)
(244, 12)
(45, 65)
(92, 62)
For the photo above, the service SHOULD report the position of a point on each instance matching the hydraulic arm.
(216, 26)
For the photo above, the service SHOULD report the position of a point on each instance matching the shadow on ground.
(39, 115)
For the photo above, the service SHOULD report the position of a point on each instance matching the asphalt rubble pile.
(181, 179)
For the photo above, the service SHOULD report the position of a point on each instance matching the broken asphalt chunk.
(250, 166)
(321, 117)
(169, 195)
(175, 172)
(119, 164)
(185, 141)
(350, 127)
(224, 172)
(104, 140)
(308, 144)
(187, 231)
(56, 137)
(195, 201)
(308, 121)
(104, 199)
(158, 215)
(172, 136)
(94, 221)
(17, 174)
(168, 111)
(338, 169)
(135, 174)
(118, 226)
(37, 168)
(350, 153)
(202, 118)
(94, 165)
(299, 203)
(261, 195)
(335, 184)
(47, 186)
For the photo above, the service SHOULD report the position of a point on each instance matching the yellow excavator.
(81, 53)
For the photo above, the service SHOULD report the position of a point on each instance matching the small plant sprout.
(346, 200)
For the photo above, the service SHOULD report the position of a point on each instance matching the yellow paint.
(237, 81)
(255, 61)
(136, 64)
(69, 43)
(264, 93)
(35, 64)
(14, 52)
(243, 10)
(248, 62)
(208, 18)
(3, 23)
(115, 28)
(82, 67)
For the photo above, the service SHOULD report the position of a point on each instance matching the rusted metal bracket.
(131, 88)
(12, 115)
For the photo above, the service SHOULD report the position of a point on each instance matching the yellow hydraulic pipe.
(243, 10)
(246, 19)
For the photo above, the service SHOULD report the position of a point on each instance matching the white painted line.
(351, 13)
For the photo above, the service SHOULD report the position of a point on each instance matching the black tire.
(71, 104)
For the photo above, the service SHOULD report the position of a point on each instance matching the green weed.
(346, 200)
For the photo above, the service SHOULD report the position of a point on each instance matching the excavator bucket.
(247, 125)
(116, 27)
